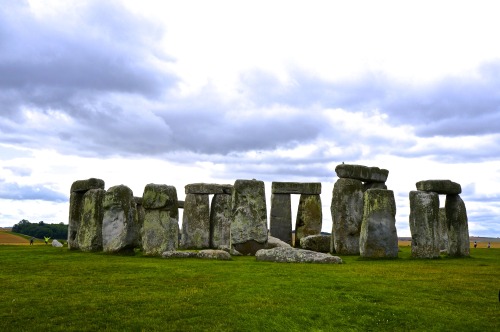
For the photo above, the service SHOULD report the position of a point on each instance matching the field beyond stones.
(47, 288)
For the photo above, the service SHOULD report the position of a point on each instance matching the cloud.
(42, 192)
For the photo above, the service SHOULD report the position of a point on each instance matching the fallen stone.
(249, 216)
(347, 216)
(443, 187)
(362, 173)
(56, 244)
(273, 242)
(294, 255)
(84, 185)
(214, 254)
(230, 250)
(179, 254)
(424, 214)
(281, 217)
(378, 237)
(319, 243)
(208, 188)
(309, 217)
(308, 188)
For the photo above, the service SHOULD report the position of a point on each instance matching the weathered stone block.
(180, 204)
(458, 228)
(362, 173)
(281, 217)
(424, 214)
(347, 216)
(249, 216)
(374, 185)
(308, 188)
(443, 187)
(319, 243)
(378, 237)
(443, 230)
(160, 225)
(196, 222)
(294, 255)
(119, 232)
(208, 188)
(75, 210)
(92, 213)
(220, 221)
(309, 217)
(84, 185)
(159, 196)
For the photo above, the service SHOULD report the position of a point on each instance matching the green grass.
(46, 288)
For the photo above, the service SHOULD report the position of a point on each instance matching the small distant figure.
(32, 240)
(489, 245)
(475, 244)
(47, 238)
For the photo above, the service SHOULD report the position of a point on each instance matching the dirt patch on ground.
(9, 238)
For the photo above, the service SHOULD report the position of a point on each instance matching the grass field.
(47, 288)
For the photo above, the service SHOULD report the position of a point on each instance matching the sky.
(180, 92)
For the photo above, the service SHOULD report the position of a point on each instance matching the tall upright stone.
(378, 237)
(443, 229)
(119, 231)
(78, 189)
(196, 222)
(309, 217)
(281, 217)
(90, 232)
(424, 224)
(458, 228)
(220, 221)
(249, 216)
(347, 216)
(160, 229)
(140, 215)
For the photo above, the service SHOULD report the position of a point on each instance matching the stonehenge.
(434, 229)
(234, 217)
(348, 210)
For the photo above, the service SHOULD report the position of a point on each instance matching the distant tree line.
(41, 229)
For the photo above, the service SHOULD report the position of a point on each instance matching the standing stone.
(281, 217)
(249, 216)
(220, 221)
(458, 228)
(424, 224)
(160, 229)
(347, 216)
(378, 237)
(90, 232)
(196, 222)
(78, 189)
(309, 217)
(140, 215)
(443, 229)
(75, 207)
(118, 224)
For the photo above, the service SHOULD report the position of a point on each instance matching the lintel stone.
(208, 188)
(307, 188)
(82, 186)
(362, 173)
(443, 187)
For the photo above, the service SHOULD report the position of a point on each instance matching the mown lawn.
(54, 289)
